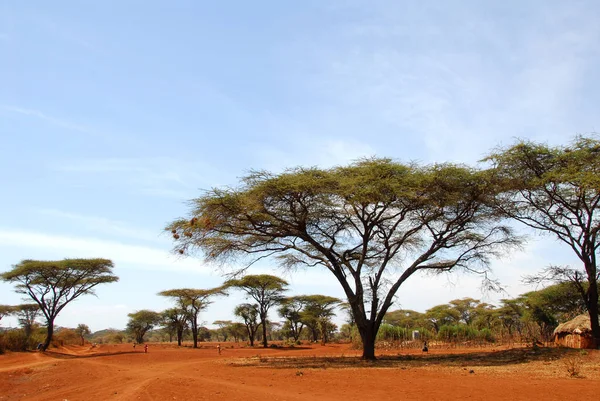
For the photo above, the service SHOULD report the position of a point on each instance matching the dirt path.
(167, 373)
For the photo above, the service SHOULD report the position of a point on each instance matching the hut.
(576, 333)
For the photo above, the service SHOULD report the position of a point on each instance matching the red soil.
(118, 372)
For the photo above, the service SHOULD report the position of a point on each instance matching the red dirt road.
(117, 372)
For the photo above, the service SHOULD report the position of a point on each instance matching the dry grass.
(547, 362)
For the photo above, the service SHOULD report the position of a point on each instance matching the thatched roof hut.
(576, 333)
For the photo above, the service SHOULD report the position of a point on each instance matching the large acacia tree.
(556, 191)
(266, 290)
(192, 301)
(372, 224)
(54, 284)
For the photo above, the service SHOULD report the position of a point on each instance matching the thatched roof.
(581, 324)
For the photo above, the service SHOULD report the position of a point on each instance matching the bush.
(486, 335)
(66, 337)
(15, 340)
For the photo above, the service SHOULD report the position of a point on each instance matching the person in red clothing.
(146, 348)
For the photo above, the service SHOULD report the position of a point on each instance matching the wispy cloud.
(447, 82)
(103, 225)
(158, 176)
(124, 255)
(49, 119)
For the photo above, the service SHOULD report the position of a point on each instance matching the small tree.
(140, 322)
(192, 301)
(249, 313)
(266, 290)
(556, 191)
(176, 320)
(54, 284)
(224, 328)
(319, 309)
(26, 314)
(237, 331)
(442, 315)
(82, 331)
(291, 309)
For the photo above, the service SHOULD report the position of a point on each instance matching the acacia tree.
(266, 290)
(142, 321)
(83, 330)
(466, 308)
(192, 301)
(224, 328)
(26, 315)
(249, 313)
(237, 331)
(372, 224)
(291, 309)
(317, 312)
(176, 321)
(405, 318)
(54, 284)
(556, 191)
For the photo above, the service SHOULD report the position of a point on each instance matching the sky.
(114, 114)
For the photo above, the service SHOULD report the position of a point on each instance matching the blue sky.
(113, 114)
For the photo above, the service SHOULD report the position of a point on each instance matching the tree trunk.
(49, 333)
(179, 337)
(195, 337)
(368, 335)
(264, 332)
(592, 306)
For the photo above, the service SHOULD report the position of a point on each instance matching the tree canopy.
(192, 301)
(27, 314)
(556, 190)
(6, 310)
(176, 320)
(82, 331)
(249, 314)
(54, 284)
(266, 290)
(140, 322)
(372, 224)
(317, 311)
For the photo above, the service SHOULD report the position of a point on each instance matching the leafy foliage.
(54, 284)
(372, 224)
(140, 322)
(192, 301)
(556, 191)
(266, 290)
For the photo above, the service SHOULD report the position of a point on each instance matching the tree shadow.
(486, 358)
(60, 355)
